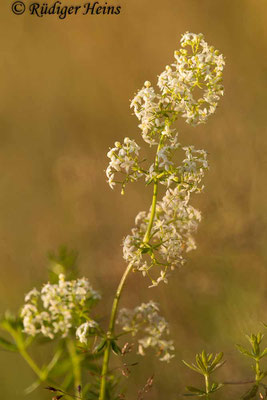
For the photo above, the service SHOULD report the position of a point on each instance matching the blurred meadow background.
(65, 88)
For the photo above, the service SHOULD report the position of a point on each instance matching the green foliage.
(64, 261)
(205, 365)
(6, 345)
(256, 354)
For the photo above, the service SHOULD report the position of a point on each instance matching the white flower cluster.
(199, 68)
(171, 236)
(123, 159)
(147, 107)
(146, 319)
(57, 307)
(190, 172)
(161, 236)
(174, 223)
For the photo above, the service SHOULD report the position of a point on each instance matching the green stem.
(25, 355)
(154, 199)
(258, 371)
(41, 375)
(129, 268)
(153, 211)
(110, 332)
(76, 367)
(207, 384)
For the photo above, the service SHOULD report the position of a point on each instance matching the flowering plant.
(62, 310)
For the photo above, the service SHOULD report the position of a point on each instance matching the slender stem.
(207, 383)
(41, 375)
(129, 268)
(76, 367)
(153, 211)
(110, 332)
(154, 199)
(23, 352)
(258, 371)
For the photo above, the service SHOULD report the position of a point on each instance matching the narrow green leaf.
(216, 362)
(251, 393)
(115, 348)
(215, 386)
(210, 357)
(32, 387)
(263, 354)
(200, 364)
(243, 350)
(195, 390)
(204, 359)
(219, 365)
(217, 358)
(193, 367)
(259, 337)
(6, 345)
(101, 345)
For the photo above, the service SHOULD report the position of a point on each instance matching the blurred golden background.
(65, 88)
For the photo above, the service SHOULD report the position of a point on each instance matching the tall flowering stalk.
(62, 310)
(163, 234)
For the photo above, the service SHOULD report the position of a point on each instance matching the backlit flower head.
(57, 307)
(145, 321)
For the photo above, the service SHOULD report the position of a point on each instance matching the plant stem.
(258, 371)
(153, 211)
(129, 268)
(23, 352)
(41, 375)
(207, 383)
(154, 199)
(75, 360)
(110, 332)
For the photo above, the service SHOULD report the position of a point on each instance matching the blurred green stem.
(76, 364)
(129, 268)
(41, 374)
(207, 383)
(23, 352)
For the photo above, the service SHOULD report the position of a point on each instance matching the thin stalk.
(25, 355)
(207, 384)
(76, 367)
(154, 199)
(258, 376)
(153, 211)
(41, 375)
(116, 300)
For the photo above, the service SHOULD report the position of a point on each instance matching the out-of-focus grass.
(65, 87)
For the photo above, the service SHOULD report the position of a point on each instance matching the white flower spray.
(174, 220)
(161, 236)
(145, 320)
(57, 308)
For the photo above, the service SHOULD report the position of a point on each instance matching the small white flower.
(33, 293)
(123, 160)
(83, 330)
(54, 310)
(145, 320)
